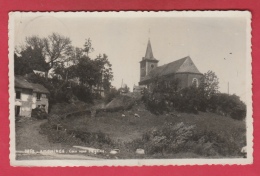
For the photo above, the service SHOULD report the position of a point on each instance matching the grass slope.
(119, 129)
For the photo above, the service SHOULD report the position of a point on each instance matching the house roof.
(184, 65)
(39, 88)
(22, 82)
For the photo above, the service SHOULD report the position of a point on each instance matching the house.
(28, 96)
(183, 70)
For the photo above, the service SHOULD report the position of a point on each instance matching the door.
(17, 110)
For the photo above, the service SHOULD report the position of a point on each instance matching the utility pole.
(228, 88)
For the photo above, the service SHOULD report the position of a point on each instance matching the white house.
(28, 96)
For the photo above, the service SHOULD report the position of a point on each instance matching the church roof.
(149, 51)
(184, 65)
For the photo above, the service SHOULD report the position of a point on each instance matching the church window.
(195, 82)
(152, 66)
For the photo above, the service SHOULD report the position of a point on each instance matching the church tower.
(148, 62)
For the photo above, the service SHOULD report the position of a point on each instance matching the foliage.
(58, 132)
(46, 53)
(209, 84)
(105, 71)
(39, 113)
(208, 87)
(180, 137)
(171, 138)
(187, 100)
(111, 94)
(228, 105)
(62, 91)
(167, 96)
(82, 93)
(74, 72)
(88, 46)
(161, 94)
(21, 66)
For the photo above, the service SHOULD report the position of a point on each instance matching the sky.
(217, 43)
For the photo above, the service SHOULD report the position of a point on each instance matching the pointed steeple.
(149, 51)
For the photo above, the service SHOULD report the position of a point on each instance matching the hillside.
(175, 134)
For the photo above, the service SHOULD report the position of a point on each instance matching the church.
(183, 69)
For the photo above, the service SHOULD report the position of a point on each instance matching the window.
(17, 110)
(152, 66)
(18, 95)
(38, 95)
(195, 82)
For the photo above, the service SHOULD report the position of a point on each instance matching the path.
(28, 137)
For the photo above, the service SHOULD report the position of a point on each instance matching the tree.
(30, 58)
(208, 87)
(21, 67)
(209, 84)
(88, 46)
(57, 50)
(86, 71)
(46, 53)
(105, 74)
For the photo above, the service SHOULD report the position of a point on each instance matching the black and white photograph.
(130, 88)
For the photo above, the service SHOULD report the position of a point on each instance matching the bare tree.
(88, 46)
(57, 49)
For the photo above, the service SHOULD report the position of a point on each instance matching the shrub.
(185, 138)
(154, 102)
(39, 113)
(69, 136)
(209, 143)
(187, 100)
(229, 105)
(170, 139)
(111, 94)
(83, 93)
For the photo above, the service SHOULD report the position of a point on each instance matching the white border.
(135, 162)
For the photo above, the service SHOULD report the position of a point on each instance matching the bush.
(111, 94)
(193, 99)
(185, 100)
(74, 137)
(62, 91)
(228, 105)
(209, 143)
(170, 139)
(155, 102)
(82, 93)
(181, 138)
(39, 113)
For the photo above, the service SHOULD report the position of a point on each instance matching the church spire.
(149, 52)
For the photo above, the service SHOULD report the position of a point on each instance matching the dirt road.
(29, 138)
